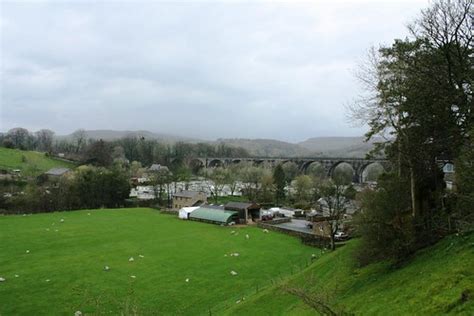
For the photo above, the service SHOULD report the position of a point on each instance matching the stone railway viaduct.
(328, 163)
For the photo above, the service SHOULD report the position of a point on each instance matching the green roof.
(213, 215)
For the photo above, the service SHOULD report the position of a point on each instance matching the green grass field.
(432, 283)
(33, 163)
(72, 256)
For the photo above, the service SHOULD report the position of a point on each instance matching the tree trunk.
(333, 242)
(414, 202)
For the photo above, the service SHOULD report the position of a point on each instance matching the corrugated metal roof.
(241, 205)
(57, 171)
(213, 215)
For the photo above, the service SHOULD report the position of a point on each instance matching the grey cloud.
(278, 70)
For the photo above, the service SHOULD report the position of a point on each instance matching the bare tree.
(45, 138)
(79, 139)
(334, 201)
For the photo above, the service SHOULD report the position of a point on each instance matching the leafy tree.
(280, 184)
(303, 186)
(384, 223)
(99, 154)
(465, 185)
(291, 171)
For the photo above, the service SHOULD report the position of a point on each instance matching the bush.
(384, 223)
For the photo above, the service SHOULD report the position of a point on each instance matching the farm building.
(188, 198)
(214, 215)
(286, 212)
(57, 172)
(246, 210)
(185, 211)
(157, 167)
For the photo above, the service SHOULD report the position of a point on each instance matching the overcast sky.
(200, 69)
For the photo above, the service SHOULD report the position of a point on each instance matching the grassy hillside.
(440, 280)
(29, 162)
(72, 255)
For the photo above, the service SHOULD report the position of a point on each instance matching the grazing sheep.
(232, 232)
(233, 272)
(247, 236)
(265, 231)
(187, 280)
(78, 313)
(27, 251)
(106, 268)
(2, 279)
(133, 276)
(237, 302)
(141, 256)
(62, 220)
(88, 213)
(47, 280)
(131, 259)
(236, 254)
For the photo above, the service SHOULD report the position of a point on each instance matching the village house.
(188, 198)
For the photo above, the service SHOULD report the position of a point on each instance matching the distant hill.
(113, 135)
(313, 147)
(269, 147)
(339, 146)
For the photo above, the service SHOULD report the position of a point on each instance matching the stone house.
(188, 199)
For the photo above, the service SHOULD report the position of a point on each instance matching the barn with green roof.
(214, 215)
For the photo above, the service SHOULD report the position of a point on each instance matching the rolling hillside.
(438, 281)
(31, 163)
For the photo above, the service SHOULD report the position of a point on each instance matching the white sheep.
(2, 279)
(27, 251)
(247, 236)
(133, 276)
(141, 256)
(106, 268)
(131, 259)
(62, 220)
(187, 280)
(233, 272)
(78, 313)
(265, 231)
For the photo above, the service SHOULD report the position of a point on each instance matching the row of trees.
(103, 153)
(86, 187)
(420, 98)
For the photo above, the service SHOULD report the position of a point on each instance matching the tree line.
(80, 148)
(419, 97)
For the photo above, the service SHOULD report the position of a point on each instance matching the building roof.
(157, 167)
(57, 171)
(213, 215)
(241, 205)
(187, 194)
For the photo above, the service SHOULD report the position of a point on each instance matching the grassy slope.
(431, 284)
(35, 164)
(73, 259)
